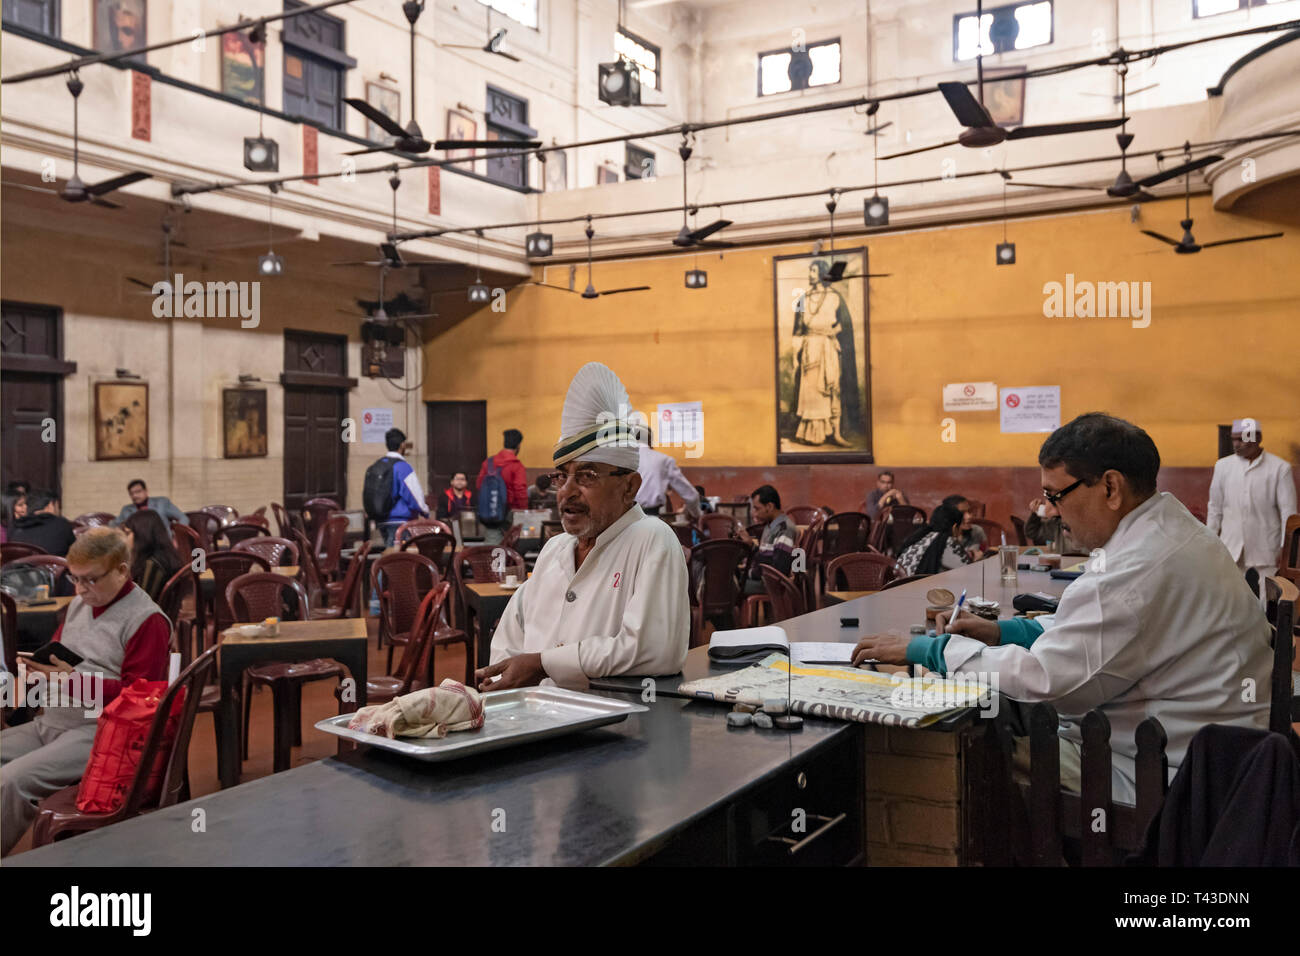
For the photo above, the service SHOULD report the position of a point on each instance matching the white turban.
(597, 424)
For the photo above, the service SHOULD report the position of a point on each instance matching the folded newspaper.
(845, 693)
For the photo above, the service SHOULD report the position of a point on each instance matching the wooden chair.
(274, 550)
(993, 531)
(238, 532)
(805, 514)
(401, 580)
(345, 596)
(206, 526)
(225, 514)
(1018, 523)
(94, 519)
(717, 526)
(860, 571)
(58, 817)
(13, 550)
(1289, 564)
(784, 593)
(260, 595)
(716, 567)
(329, 545)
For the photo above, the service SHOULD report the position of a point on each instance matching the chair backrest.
(239, 531)
(418, 526)
(186, 539)
(206, 526)
(350, 593)
(225, 567)
(1018, 523)
(329, 542)
(478, 561)
(9, 617)
(993, 530)
(258, 518)
(717, 525)
(275, 550)
(436, 546)
(173, 593)
(307, 563)
(225, 514)
(1280, 599)
(899, 522)
(190, 683)
(785, 594)
(715, 573)
(415, 669)
(977, 507)
(258, 595)
(1290, 565)
(685, 534)
(859, 571)
(58, 566)
(314, 513)
(844, 533)
(401, 580)
(94, 519)
(281, 518)
(551, 528)
(511, 537)
(13, 550)
(805, 514)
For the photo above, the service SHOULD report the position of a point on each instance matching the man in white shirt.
(659, 473)
(1161, 624)
(609, 596)
(1251, 496)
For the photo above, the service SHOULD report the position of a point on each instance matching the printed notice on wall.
(1033, 409)
(374, 423)
(681, 423)
(970, 397)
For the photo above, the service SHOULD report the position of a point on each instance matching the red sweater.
(146, 653)
(513, 474)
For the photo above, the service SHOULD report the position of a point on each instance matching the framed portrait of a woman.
(823, 367)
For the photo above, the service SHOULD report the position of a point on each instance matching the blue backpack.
(493, 505)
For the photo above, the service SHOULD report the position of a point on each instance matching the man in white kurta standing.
(1160, 624)
(1251, 496)
(609, 596)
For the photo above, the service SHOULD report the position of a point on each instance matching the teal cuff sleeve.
(928, 652)
(1019, 630)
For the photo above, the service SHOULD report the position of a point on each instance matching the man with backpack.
(502, 487)
(392, 493)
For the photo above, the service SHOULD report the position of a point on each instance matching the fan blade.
(1156, 235)
(376, 116)
(358, 263)
(35, 189)
(922, 149)
(635, 288)
(1089, 189)
(1056, 129)
(487, 144)
(103, 202)
(713, 244)
(1177, 171)
(508, 56)
(1226, 242)
(706, 231)
(108, 185)
(1141, 196)
(140, 282)
(372, 149)
(964, 106)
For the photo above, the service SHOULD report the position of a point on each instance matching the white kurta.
(625, 611)
(1249, 504)
(1168, 628)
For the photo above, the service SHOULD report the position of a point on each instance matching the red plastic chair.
(94, 519)
(13, 550)
(329, 545)
(861, 571)
(784, 593)
(418, 526)
(475, 563)
(223, 513)
(225, 567)
(716, 572)
(401, 580)
(206, 526)
(186, 539)
(896, 524)
(281, 518)
(258, 518)
(345, 596)
(805, 514)
(993, 531)
(717, 525)
(274, 550)
(58, 568)
(415, 668)
(437, 547)
(240, 531)
(314, 513)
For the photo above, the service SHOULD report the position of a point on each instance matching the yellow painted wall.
(1222, 342)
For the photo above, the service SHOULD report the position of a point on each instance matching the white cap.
(597, 423)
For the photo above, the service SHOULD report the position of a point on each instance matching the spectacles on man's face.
(89, 581)
(585, 477)
(1054, 497)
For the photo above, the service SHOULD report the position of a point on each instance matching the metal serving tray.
(511, 717)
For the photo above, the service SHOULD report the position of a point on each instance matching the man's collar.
(628, 518)
(1127, 521)
(395, 454)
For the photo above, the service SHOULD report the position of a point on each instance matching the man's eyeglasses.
(585, 477)
(88, 581)
(1055, 496)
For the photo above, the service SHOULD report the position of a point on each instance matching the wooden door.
(28, 400)
(315, 455)
(457, 441)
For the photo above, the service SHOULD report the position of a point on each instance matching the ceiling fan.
(147, 288)
(590, 292)
(376, 310)
(838, 266)
(389, 255)
(981, 130)
(1188, 244)
(691, 238)
(409, 139)
(74, 190)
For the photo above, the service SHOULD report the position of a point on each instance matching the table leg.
(354, 659)
(228, 767)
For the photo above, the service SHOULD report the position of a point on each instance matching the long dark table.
(672, 784)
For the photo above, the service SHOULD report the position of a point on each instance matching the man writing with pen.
(1161, 623)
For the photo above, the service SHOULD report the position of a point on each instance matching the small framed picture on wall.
(121, 420)
(243, 422)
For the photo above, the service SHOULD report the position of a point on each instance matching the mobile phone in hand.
(48, 652)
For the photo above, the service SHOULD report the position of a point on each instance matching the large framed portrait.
(823, 362)
(121, 420)
(242, 62)
(1004, 95)
(243, 422)
(119, 25)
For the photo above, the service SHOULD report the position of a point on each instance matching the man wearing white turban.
(609, 596)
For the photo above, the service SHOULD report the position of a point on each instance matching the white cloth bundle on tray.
(431, 712)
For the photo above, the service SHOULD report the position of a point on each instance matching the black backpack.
(377, 492)
(492, 497)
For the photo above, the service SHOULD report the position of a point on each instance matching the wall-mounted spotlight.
(696, 279)
(619, 83)
(247, 379)
(875, 211)
(124, 373)
(270, 264)
(1006, 254)
(538, 245)
(261, 155)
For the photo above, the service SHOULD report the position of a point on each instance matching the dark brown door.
(28, 399)
(315, 455)
(457, 441)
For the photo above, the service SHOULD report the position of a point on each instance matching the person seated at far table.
(121, 636)
(610, 595)
(455, 498)
(12, 507)
(1160, 624)
(541, 497)
(1043, 528)
(935, 546)
(153, 555)
(141, 499)
(43, 526)
(973, 539)
(884, 495)
(776, 544)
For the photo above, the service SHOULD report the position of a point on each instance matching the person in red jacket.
(512, 472)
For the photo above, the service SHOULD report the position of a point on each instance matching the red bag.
(119, 745)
